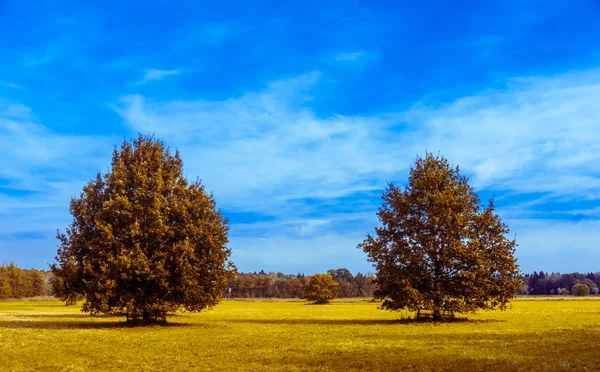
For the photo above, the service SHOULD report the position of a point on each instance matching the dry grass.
(291, 336)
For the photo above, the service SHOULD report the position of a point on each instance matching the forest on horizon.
(16, 282)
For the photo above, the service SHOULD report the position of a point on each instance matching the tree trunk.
(136, 317)
(146, 316)
(437, 315)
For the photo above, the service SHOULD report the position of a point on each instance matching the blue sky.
(295, 116)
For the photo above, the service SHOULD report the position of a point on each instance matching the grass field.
(293, 336)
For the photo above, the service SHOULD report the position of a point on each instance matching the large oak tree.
(438, 248)
(144, 241)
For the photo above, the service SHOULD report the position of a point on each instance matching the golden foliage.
(144, 241)
(437, 248)
(321, 288)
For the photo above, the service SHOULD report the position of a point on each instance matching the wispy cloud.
(11, 111)
(41, 171)
(40, 160)
(153, 75)
(536, 135)
(269, 152)
(353, 57)
(10, 85)
(349, 56)
(273, 142)
(265, 150)
(307, 154)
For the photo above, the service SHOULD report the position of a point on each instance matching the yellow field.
(293, 336)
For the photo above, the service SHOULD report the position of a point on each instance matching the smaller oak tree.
(321, 288)
(580, 290)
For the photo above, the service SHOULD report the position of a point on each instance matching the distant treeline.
(557, 284)
(279, 285)
(20, 283)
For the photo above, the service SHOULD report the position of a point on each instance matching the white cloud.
(265, 150)
(268, 146)
(41, 171)
(153, 75)
(37, 159)
(537, 135)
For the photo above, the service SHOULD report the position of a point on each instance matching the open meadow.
(345, 335)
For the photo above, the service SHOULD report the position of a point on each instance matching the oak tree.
(437, 248)
(321, 288)
(144, 242)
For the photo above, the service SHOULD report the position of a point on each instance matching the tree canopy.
(144, 241)
(437, 248)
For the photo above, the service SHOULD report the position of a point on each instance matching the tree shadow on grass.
(449, 321)
(315, 321)
(65, 316)
(455, 352)
(80, 316)
(334, 322)
(43, 324)
(399, 359)
(33, 324)
(408, 362)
